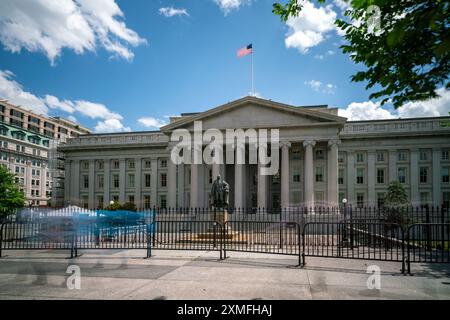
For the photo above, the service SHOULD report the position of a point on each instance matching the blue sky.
(150, 65)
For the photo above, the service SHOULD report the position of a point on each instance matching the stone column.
(194, 185)
(180, 184)
(171, 183)
(28, 179)
(436, 169)
(262, 188)
(351, 180)
(154, 182)
(106, 182)
(414, 177)
(285, 176)
(91, 181)
(66, 181)
(75, 183)
(371, 176)
(333, 170)
(309, 172)
(239, 180)
(138, 182)
(122, 180)
(392, 166)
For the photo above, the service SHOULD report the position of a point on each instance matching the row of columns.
(262, 185)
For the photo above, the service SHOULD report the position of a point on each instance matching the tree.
(408, 57)
(395, 203)
(11, 198)
(396, 195)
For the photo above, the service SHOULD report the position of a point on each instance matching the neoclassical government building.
(323, 159)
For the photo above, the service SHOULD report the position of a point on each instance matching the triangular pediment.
(251, 112)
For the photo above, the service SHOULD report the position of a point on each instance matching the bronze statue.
(220, 193)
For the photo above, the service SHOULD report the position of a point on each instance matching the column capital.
(285, 144)
(334, 142)
(311, 143)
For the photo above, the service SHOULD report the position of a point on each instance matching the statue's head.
(218, 177)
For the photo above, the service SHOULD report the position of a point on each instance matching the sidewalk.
(124, 274)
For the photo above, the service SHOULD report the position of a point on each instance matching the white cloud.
(229, 5)
(171, 12)
(49, 26)
(151, 122)
(96, 110)
(367, 110)
(429, 108)
(318, 86)
(72, 118)
(111, 125)
(314, 84)
(54, 103)
(309, 28)
(13, 91)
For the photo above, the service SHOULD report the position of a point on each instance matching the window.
(100, 181)
(162, 201)
(164, 163)
(85, 202)
(85, 181)
(402, 175)
(423, 175)
(340, 158)
(115, 198)
(360, 200)
(34, 120)
(401, 156)
(210, 177)
(341, 176)
(380, 175)
(360, 175)
(147, 164)
(131, 198)
(18, 135)
(163, 180)
(423, 155)
(380, 156)
(49, 125)
(16, 113)
(147, 203)
(100, 165)
(116, 164)
(360, 157)
(131, 164)
(131, 180)
(296, 154)
(319, 174)
(115, 181)
(296, 174)
(341, 196)
(445, 155)
(446, 199)
(319, 154)
(445, 174)
(147, 181)
(380, 199)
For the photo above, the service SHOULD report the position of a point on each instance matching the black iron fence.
(406, 235)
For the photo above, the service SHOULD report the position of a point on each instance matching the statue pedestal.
(220, 216)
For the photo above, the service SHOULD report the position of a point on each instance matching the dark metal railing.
(410, 235)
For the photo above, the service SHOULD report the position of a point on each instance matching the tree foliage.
(396, 195)
(407, 58)
(11, 198)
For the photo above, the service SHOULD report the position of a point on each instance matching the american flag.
(245, 51)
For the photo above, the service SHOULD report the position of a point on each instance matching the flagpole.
(253, 89)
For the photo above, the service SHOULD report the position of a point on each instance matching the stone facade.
(323, 159)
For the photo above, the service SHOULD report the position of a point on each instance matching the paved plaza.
(124, 274)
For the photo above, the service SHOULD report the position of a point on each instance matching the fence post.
(149, 238)
(224, 242)
(215, 226)
(403, 249)
(299, 235)
(428, 233)
(351, 228)
(303, 245)
(408, 258)
(281, 232)
(1, 238)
